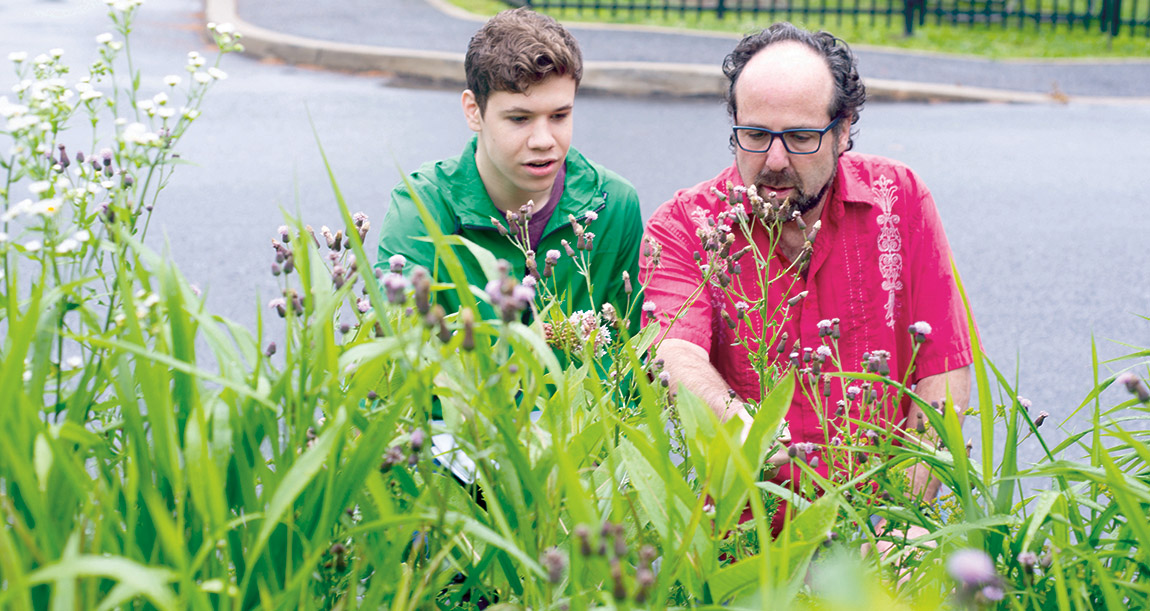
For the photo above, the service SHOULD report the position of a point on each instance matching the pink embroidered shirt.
(880, 263)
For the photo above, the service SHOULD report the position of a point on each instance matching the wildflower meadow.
(362, 447)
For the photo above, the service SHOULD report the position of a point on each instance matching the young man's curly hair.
(516, 49)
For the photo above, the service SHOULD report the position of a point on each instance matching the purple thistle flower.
(1134, 385)
(971, 568)
(396, 263)
(396, 287)
(1024, 402)
(279, 304)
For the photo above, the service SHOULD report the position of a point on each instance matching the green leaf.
(292, 484)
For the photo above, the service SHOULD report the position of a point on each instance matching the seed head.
(555, 563)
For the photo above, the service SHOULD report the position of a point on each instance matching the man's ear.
(471, 111)
(843, 132)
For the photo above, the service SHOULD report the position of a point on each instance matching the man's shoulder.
(867, 170)
(868, 177)
(588, 178)
(432, 177)
(697, 199)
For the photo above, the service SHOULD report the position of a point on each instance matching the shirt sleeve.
(934, 296)
(672, 279)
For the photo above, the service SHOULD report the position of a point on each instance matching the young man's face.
(788, 86)
(523, 140)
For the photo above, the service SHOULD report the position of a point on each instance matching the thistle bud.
(619, 591)
(468, 319)
(583, 534)
(1042, 416)
(555, 563)
(793, 301)
(417, 439)
(421, 281)
(271, 349)
(627, 282)
(64, 162)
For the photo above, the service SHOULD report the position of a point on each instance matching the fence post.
(720, 9)
(907, 15)
(1115, 17)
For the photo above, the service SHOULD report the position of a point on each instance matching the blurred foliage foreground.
(311, 475)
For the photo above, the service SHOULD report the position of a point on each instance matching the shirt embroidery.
(889, 244)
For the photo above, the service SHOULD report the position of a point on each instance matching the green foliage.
(1013, 39)
(301, 472)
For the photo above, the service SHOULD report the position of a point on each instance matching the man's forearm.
(935, 389)
(690, 368)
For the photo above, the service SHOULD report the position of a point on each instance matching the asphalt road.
(1045, 206)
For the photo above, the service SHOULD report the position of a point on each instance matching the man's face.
(788, 86)
(523, 140)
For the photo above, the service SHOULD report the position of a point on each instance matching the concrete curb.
(615, 77)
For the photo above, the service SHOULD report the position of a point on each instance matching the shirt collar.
(474, 207)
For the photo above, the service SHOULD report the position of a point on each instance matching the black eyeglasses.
(801, 141)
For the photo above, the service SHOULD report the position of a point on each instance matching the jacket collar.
(582, 191)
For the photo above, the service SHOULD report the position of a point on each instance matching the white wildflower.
(104, 38)
(137, 133)
(9, 110)
(160, 99)
(217, 74)
(39, 187)
(17, 57)
(202, 78)
(67, 245)
(172, 80)
(33, 245)
(73, 362)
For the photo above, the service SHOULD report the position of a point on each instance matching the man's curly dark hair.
(850, 93)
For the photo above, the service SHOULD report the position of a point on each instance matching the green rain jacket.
(454, 194)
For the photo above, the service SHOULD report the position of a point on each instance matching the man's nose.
(777, 157)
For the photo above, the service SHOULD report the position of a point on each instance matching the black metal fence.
(1105, 16)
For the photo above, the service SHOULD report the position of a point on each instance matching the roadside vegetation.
(158, 456)
(1010, 41)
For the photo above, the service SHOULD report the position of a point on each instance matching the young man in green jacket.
(517, 185)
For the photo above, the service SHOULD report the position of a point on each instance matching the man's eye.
(517, 119)
(560, 116)
(756, 135)
(801, 136)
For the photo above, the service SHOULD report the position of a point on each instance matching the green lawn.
(992, 41)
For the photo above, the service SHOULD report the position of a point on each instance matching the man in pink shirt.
(879, 264)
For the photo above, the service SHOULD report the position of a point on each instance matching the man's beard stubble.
(800, 200)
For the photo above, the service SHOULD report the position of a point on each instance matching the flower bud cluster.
(226, 37)
(652, 251)
(508, 296)
(876, 362)
(398, 454)
(919, 331)
(581, 329)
